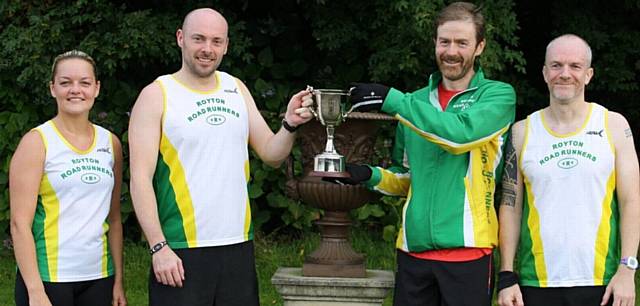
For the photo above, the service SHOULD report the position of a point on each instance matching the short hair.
(589, 53)
(462, 11)
(188, 16)
(73, 54)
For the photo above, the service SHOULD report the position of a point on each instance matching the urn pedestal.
(298, 290)
(355, 139)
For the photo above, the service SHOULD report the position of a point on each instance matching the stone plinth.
(298, 290)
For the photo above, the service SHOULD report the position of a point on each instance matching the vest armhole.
(608, 131)
(113, 149)
(163, 90)
(44, 139)
(527, 126)
(239, 84)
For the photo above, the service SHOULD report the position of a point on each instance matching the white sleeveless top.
(569, 233)
(70, 223)
(203, 167)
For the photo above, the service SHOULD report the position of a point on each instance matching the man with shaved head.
(571, 201)
(188, 137)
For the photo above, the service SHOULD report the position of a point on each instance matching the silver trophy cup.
(328, 109)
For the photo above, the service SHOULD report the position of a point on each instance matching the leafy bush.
(277, 48)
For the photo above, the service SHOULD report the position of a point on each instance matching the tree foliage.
(614, 37)
(276, 48)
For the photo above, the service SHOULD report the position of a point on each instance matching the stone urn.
(355, 139)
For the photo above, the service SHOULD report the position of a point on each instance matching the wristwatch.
(157, 247)
(289, 128)
(630, 262)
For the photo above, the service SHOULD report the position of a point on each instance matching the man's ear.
(480, 47)
(588, 76)
(180, 37)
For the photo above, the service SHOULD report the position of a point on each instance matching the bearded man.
(447, 158)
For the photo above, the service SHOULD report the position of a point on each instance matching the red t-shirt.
(444, 95)
(453, 255)
(457, 254)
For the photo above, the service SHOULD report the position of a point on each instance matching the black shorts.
(565, 296)
(214, 276)
(439, 283)
(97, 292)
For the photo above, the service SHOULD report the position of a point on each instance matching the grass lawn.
(271, 252)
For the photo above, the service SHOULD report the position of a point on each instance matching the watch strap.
(157, 247)
(630, 262)
(289, 128)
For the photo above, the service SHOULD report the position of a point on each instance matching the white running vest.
(569, 233)
(70, 223)
(203, 167)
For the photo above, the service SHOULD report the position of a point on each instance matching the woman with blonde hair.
(64, 182)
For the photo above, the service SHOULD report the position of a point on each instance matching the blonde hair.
(73, 54)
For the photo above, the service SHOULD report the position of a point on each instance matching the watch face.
(630, 262)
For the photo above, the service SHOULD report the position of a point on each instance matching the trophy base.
(329, 164)
(343, 174)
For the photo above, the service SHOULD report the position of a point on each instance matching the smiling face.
(567, 69)
(456, 50)
(203, 40)
(74, 86)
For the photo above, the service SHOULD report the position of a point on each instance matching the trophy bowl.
(328, 105)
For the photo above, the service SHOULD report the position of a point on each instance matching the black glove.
(366, 97)
(359, 174)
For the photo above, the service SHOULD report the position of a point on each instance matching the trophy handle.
(345, 115)
(311, 108)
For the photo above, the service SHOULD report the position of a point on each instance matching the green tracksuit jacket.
(446, 163)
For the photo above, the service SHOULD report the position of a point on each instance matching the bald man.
(571, 195)
(188, 137)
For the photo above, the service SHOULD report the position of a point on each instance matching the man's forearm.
(509, 235)
(390, 182)
(510, 211)
(629, 229)
(278, 148)
(144, 204)
(455, 131)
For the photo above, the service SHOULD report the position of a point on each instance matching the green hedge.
(276, 48)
